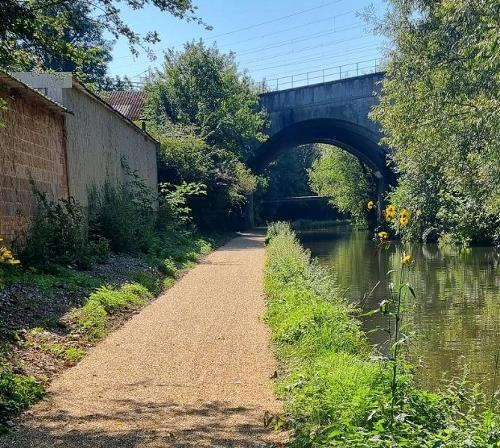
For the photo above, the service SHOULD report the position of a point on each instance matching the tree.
(80, 31)
(288, 175)
(201, 86)
(440, 112)
(35, 31)
(344, 179)
(185, 157)
(205, 114)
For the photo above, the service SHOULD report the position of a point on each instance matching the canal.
(454, 323)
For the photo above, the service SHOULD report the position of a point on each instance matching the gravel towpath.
(192, 369)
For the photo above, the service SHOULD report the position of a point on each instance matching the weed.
(56, 349)
(74, 354)
(17, 392)
(168, 267)
(92, 317)
(168, 282)
(57, 236)
(101, 250)
(150, 281)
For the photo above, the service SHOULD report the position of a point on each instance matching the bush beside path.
(192, 369)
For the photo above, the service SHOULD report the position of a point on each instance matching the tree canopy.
(440, 112)
(201, 86)
(205, 114)
(65, 33)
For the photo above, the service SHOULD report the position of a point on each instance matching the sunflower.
(404, 217)
(406, 259)
(390, 212)
(371, 205)
(383, 235)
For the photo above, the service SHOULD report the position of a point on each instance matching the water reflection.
(456, 317)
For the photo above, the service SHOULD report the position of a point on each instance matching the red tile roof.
(128, 102)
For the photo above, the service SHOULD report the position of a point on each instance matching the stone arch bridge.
(333, 112)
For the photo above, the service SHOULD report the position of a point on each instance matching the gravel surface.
(192, 369)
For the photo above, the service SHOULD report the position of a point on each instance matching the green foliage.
(58, 278)
(59, 350)
(336, 394)
(150, 280)
(65, 34)
(74, 354)
(185, 158)
(92, 317)
(123, 213)
(202, 87)
(17, 392)
(81, 31)
(204, 113)
(439, 112)
(168, 267)
(57, 236)
(101, 250)
(168, 282)
(174, 208)
(345, 180)
(169, 252)
(288, 175)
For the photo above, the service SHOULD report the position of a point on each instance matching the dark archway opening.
(356, 140)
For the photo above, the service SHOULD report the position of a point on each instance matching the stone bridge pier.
(335, 112)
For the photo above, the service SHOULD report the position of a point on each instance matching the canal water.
(455, 321)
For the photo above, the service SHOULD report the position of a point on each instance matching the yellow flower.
(406, 259)
(404, 217)
(390, 212)
(6, 256)
(371, 205)
(383, 235)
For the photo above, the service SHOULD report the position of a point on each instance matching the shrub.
(91, 319)
(101, 250)
(150, 281)
(17, 392)
(58, 235)
(117, 214)
(74, 354)
(168, 282)
(168, 267)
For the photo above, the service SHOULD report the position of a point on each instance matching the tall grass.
(336, 392)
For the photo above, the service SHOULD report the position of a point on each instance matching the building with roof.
(32, 149)
(128, 102)
(98, 136)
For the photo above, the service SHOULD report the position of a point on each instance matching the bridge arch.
(335, 112)
(353, 138)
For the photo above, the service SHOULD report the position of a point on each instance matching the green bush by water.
(336, 393)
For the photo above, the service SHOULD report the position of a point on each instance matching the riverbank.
(336, 390)
(49, 322)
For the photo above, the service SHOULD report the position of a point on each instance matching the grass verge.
(336, 392)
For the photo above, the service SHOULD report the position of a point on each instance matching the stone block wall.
(32, 146)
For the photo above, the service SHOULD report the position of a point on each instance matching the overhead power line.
(315, 56)
(277, 19)
(303, 49)
(252, 27)
(304, 61)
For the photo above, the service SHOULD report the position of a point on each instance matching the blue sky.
(271, 38)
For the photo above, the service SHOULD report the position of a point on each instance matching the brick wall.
(31, 147)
